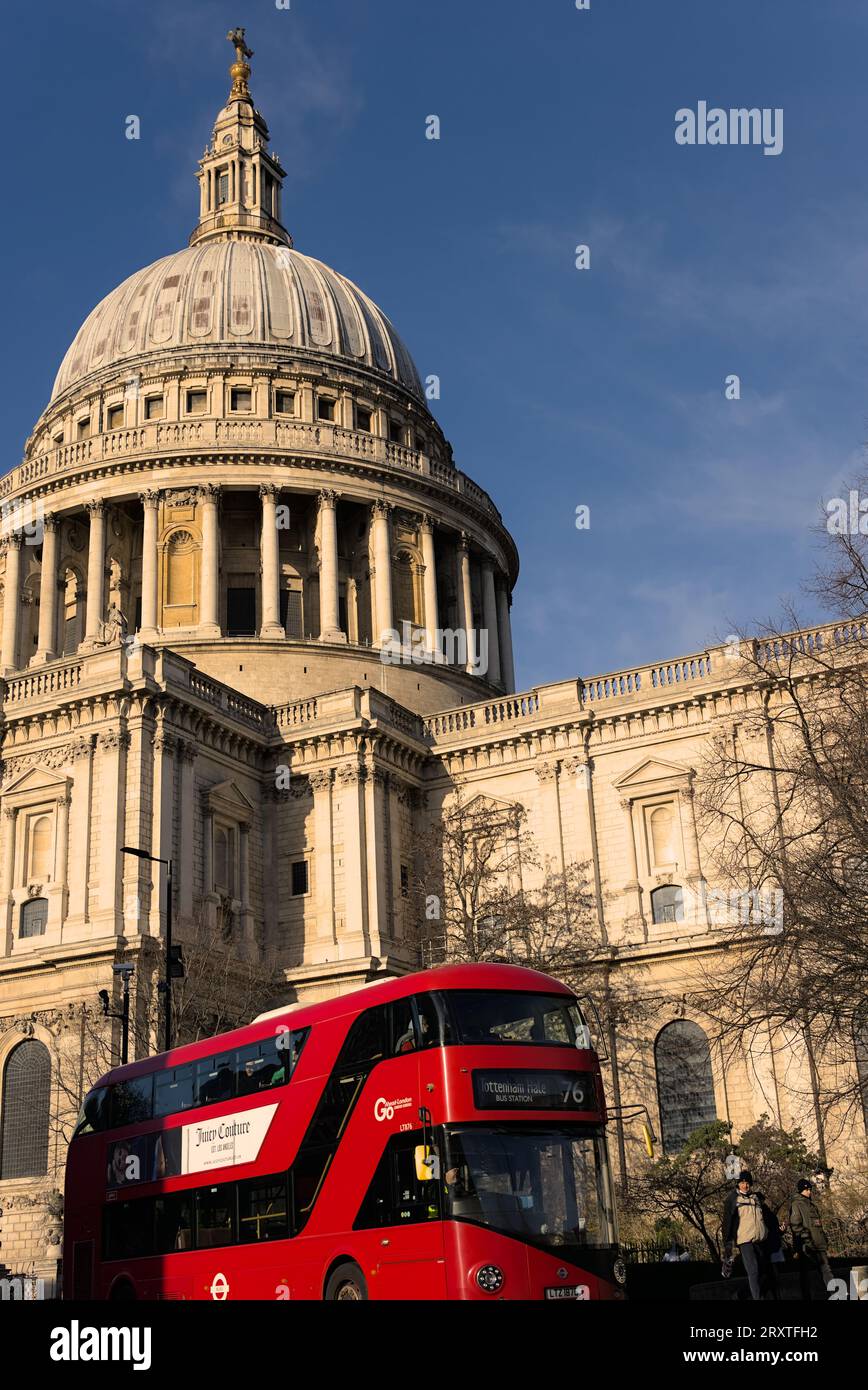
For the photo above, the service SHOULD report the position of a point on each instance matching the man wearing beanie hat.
(810, 1243)
(747, 1223)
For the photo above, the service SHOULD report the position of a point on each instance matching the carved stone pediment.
(654, 775)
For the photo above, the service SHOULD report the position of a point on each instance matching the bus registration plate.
(575, 1291)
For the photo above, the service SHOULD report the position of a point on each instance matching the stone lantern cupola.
(240, 182)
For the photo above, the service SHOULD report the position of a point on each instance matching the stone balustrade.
(161, 438)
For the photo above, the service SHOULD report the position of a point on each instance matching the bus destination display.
(534, 1090)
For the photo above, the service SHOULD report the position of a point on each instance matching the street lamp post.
(165, 985)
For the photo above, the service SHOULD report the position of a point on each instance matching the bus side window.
(215, 1079)
(173, 1090)
(215, 1216)
(429, 1021)
(132, 1101)
(94, 1114)
(368, 1039)
(174, 1223)
(403, 1026)
(262, 1210)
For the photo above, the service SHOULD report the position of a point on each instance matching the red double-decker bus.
(440, 1136)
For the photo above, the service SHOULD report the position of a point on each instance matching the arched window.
(667, 904)
(34, 917)
(39, 859)
(685, 1085)
(662, 826)
(24, 1113)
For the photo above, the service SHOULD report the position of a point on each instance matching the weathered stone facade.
(235, 491)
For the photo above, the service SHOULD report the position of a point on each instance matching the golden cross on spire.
(240, 69)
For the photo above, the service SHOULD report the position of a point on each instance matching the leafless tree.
(784, 794)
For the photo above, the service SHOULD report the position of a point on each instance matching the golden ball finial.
(240, 69)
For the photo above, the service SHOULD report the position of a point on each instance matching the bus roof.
(389, 987)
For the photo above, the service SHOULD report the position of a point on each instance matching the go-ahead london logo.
(385, 1109)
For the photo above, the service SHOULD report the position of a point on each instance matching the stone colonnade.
(494, 584)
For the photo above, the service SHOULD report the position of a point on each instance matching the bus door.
(410, 1258)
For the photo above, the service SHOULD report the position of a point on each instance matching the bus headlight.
(490, 1278)
(619, 1269)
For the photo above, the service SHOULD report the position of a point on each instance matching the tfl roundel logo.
(385, 1109)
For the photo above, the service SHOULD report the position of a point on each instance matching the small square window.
(325, 408)
(197, 402)
(83, 428)
(299, 878)
(115, 417)
(241, 398)
(396, 432)
(363, 419)
(284, 402)
(58, 438)
(153, 407)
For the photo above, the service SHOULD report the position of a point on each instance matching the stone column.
(246, 910)
(62, 863)
(270, 564)
(323, 839)
(382, 571)
(633, 886)
(46, 648)
(11, 603)
(10, 814)
(148, 628)
(188, 752)
(489, 603)
(378, 857)
(550, 818)
(432, 618)
(106, 869)
(504, 628)
(329, 609)
(95, 611)
(83, 794)
(351, 792)
(465, 598)
(696, 895)
(209, 597)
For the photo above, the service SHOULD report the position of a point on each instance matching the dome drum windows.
(241, 400)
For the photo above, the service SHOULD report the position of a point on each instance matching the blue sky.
(561, 388)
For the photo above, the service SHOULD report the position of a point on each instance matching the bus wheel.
(122, 1292)
(346, 1282)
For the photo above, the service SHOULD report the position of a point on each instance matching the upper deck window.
(501, 1016)
(242, 1071)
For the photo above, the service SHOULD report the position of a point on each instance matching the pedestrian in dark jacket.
(748, 1224)
(810, 1243)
